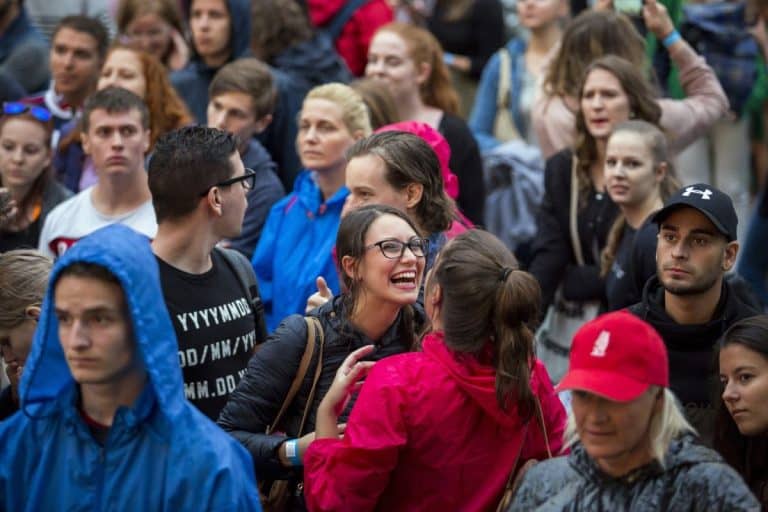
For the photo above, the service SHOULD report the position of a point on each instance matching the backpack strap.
(333, 29)
(243, 270)
(313, 329)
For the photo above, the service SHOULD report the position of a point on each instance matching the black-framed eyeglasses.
(393, 249)
(247, 180)
(14, 108)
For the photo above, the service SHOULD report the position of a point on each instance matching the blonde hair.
(354, 113)
(667, 424)
(23, 281)
(656, 142)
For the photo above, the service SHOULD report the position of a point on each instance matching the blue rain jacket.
(161, 454)
(295, 247)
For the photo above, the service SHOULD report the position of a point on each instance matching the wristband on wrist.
(671, 39)
(292, 452)
(448, 58)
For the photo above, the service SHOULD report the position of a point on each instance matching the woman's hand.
(346, 382)
(657, 19)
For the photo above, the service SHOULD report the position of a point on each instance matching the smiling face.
(94, 330)
(367, 184)
(323, 138)
(384, 280)
(116, 142)
(124, 69)
(210, 25)
(631, 175)
(24, 152)
(75, 61)
(604, 103)
(615, 434)
(390, 62)
(744, 376)
(691, 254)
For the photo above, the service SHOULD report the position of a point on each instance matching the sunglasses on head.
(14, 108)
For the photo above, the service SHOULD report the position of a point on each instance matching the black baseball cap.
(715, 204)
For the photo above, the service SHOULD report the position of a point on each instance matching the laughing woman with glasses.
(381, 260)
(29, 190)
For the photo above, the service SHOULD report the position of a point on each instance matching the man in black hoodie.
(688, 301)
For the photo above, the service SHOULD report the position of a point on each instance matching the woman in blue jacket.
(105, 425)
(298, 236)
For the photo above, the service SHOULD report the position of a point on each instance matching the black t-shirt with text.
(215, 327)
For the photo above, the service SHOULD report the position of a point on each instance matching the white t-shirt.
(77, 217)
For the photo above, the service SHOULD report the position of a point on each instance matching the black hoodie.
(691, 347)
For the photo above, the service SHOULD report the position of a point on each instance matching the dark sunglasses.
(394, 249)
(14, 108)
(247, 180)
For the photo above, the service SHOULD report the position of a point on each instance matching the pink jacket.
(684, 121)
(426, 433)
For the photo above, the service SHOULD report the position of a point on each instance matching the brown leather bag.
(516, 476)
(275, 495)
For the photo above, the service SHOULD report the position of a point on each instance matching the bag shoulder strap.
(333, 29)
(314, 325)
(243, 270)
(505, 80)
(306, 359)
(573, 212)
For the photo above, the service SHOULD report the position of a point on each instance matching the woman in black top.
(410, 61)
(639, 178)
(612, 91)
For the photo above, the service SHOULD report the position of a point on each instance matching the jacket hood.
(239, 32)
(315, 61)
(321, 12)
(308, 193)
(476, 379)
(128, 256)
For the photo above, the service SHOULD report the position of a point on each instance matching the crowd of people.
(330, 255)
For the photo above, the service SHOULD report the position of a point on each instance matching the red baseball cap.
(617, 356)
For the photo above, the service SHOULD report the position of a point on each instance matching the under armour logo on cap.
(601, 344)
(705, 194)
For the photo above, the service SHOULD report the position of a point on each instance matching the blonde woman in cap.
(631, 447)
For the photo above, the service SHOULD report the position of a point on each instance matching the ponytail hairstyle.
(656, 142)
(487, 302)
(437, 91)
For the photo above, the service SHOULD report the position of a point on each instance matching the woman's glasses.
(14, 108)
(394, 249)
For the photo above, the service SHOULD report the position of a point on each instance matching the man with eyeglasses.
(199, 187)
(115, 135)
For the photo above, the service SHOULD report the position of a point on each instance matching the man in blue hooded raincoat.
(104, 424)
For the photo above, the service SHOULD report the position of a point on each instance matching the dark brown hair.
(408, 159)
(591, 35)
(350, 241)
(642, 105)
(277, 25)
(656, 142)
(114, 100)
(437, 91)
(248, 76)
(487, 300)
(87, 25)
(748, 455)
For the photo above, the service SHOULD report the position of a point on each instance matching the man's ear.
(213, 200)
(729, 255)
(262, 124)
(414, 192)
(85, 141)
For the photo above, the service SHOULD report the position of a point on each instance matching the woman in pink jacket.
(593, 34)
(443, 429)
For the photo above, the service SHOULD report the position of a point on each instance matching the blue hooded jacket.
(160, 453)
(295, 247)
(193, 80)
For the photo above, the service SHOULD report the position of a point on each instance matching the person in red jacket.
(356, 34)
(444, 428)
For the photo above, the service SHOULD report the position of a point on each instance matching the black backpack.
(242, 268)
